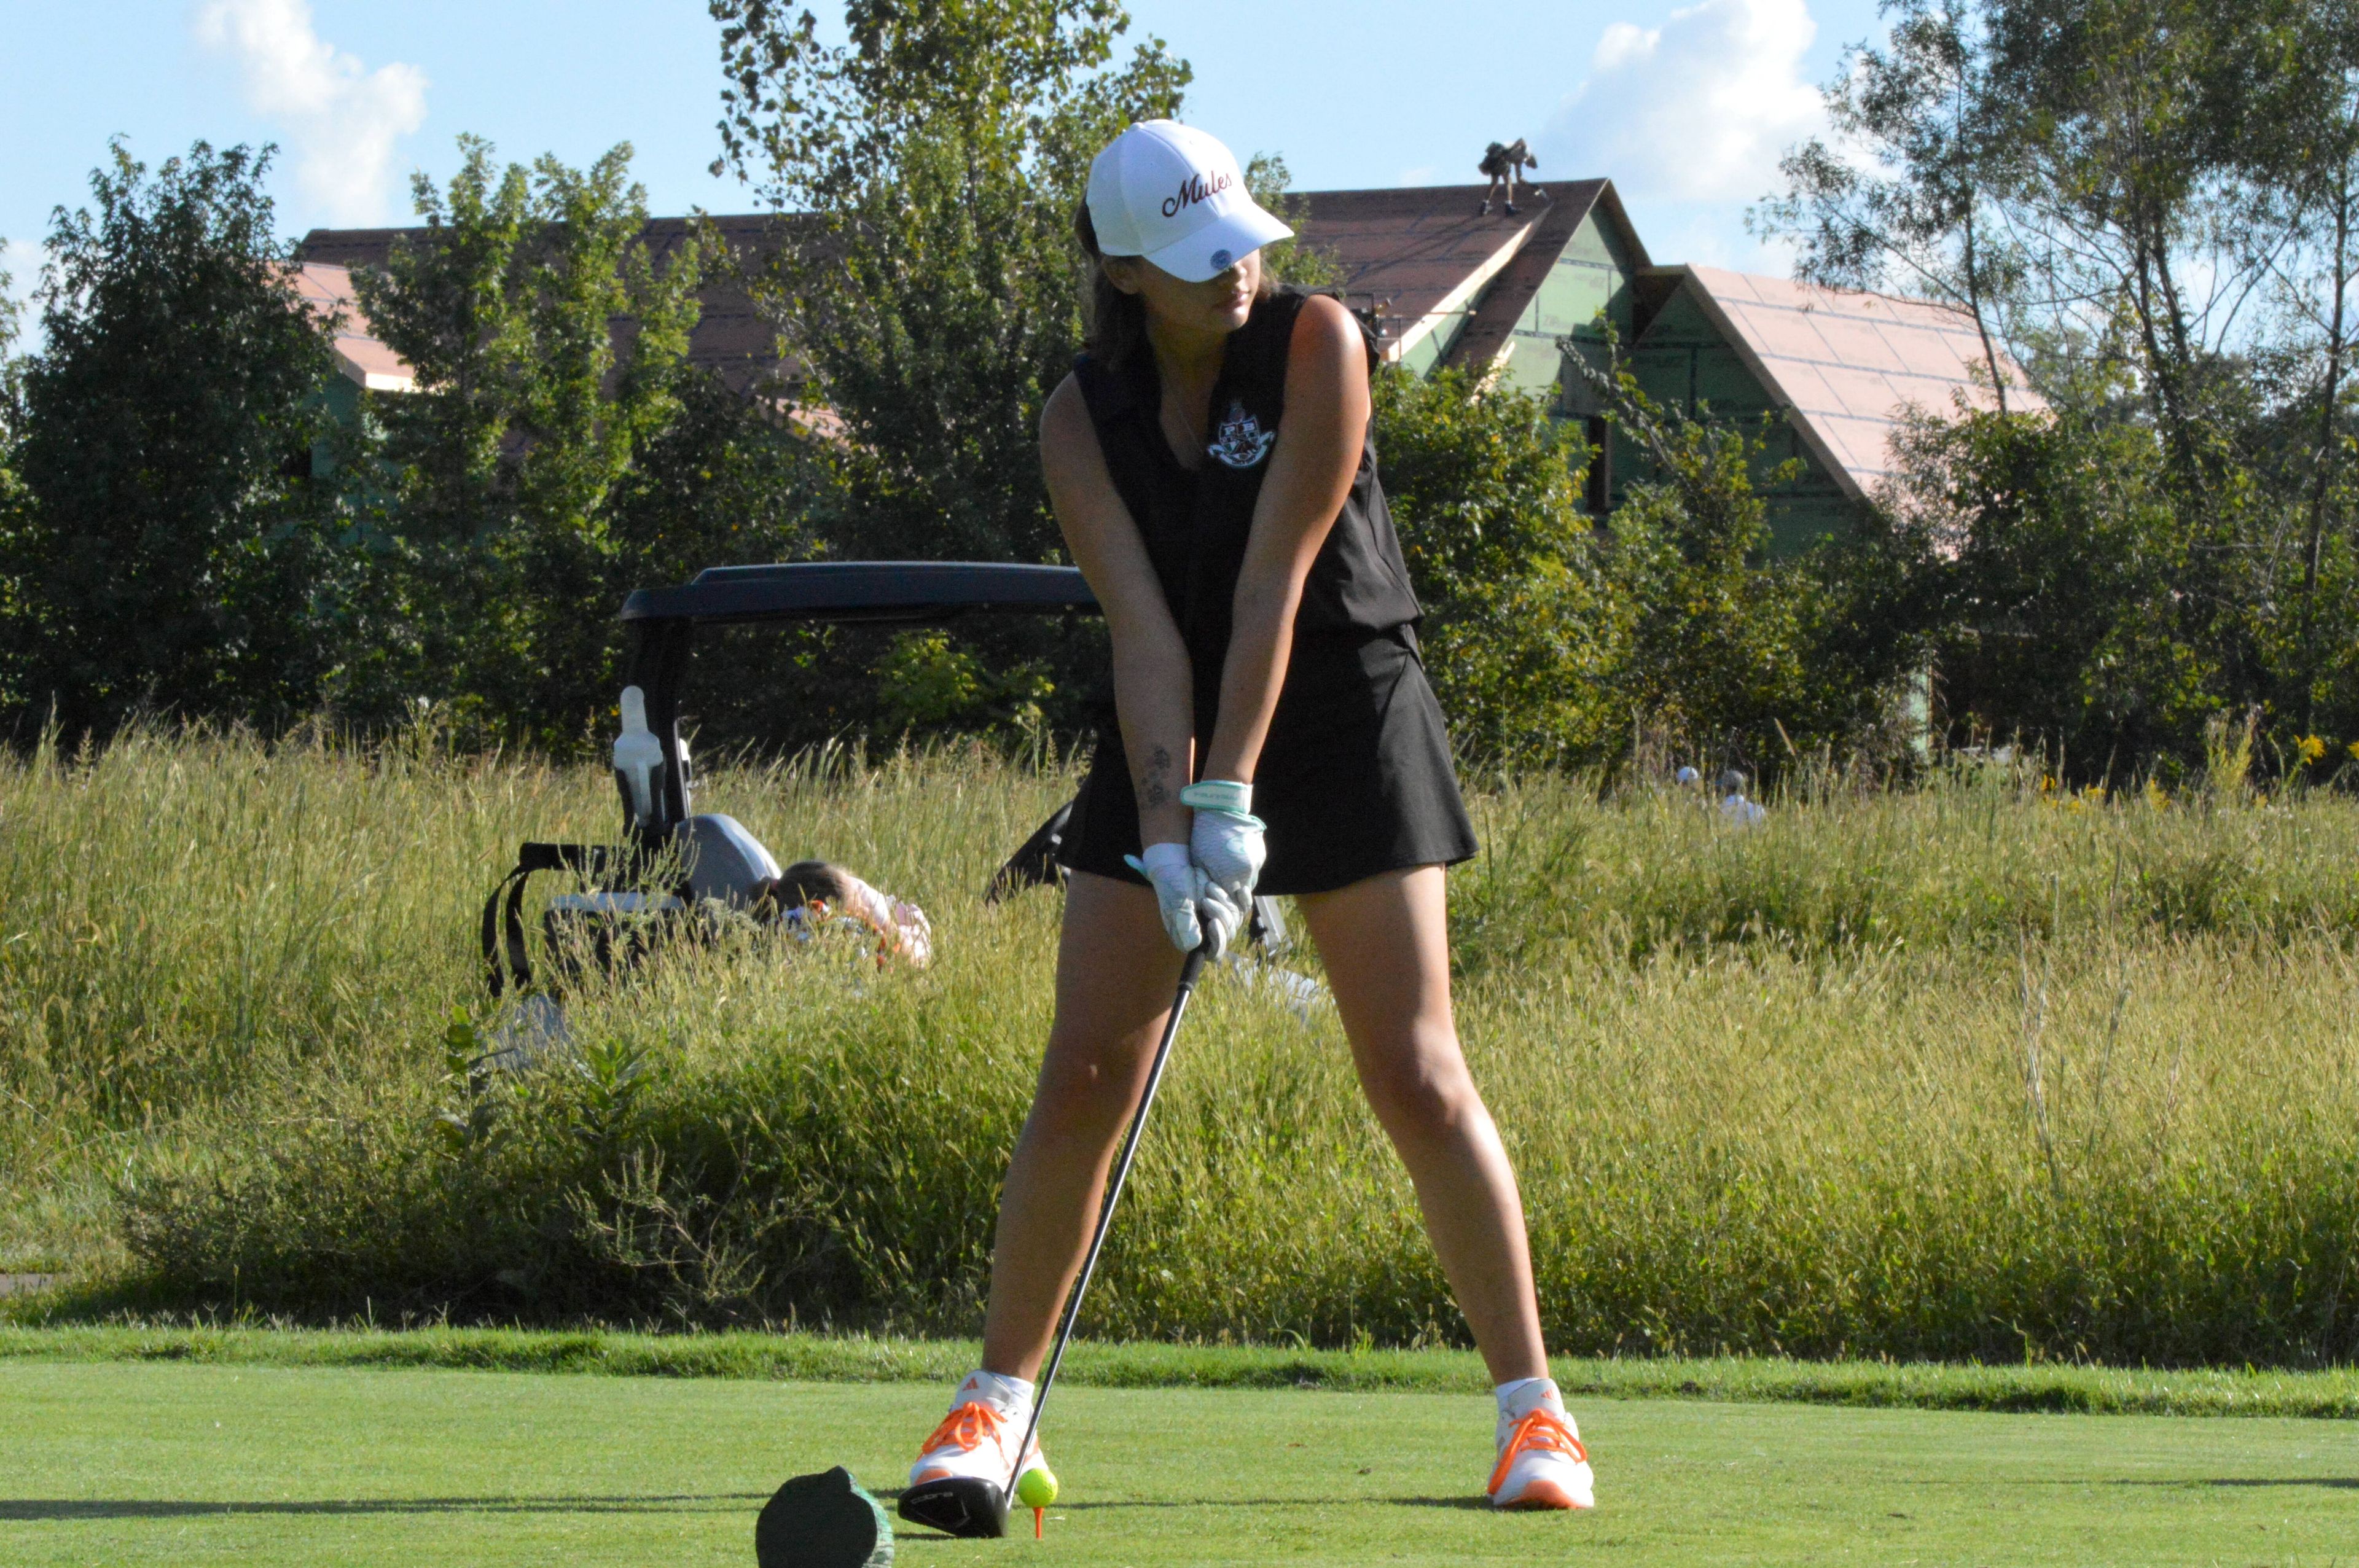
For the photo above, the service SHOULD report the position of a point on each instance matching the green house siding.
(1421, 357)
(1686, 365)
(1589, 280)
(342, 400)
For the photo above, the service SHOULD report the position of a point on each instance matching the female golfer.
(1211, 464)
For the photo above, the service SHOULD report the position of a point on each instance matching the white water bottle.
(638, 757)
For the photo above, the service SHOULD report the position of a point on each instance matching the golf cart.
(674, 863)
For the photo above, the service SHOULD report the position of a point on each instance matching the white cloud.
(1698, 109)
(342, 118)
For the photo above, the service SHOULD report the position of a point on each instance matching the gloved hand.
(1193, 907)
(1227, 840)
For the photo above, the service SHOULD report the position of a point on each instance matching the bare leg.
(1388, 955)
(1116, 974)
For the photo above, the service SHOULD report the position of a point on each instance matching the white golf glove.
(1191, 906)
(1227, 840)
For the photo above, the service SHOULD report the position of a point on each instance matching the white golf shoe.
(964, 1478)
(1542, 1463)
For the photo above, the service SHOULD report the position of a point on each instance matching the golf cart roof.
(888, 592)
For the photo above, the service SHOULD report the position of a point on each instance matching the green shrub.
(1522, 636)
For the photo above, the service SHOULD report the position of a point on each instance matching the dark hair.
(1116, 321)
(806, 881)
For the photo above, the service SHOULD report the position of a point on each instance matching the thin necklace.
(1190, 432)
(1182, 408)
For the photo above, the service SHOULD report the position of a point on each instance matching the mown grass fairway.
(111, 1463)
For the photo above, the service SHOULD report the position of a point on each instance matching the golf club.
(964, 1506)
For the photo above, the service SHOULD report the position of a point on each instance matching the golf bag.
(631, 899)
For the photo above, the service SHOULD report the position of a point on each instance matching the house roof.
(1413, 258)
(1486, 337)
(1410, 256)
(732, 337)
(364, 359)
(1846, 365)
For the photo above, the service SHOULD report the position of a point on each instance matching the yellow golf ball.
(1037, 1487)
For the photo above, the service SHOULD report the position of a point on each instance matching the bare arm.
(1309, 474)
(1154, 688)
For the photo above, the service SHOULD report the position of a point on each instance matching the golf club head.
(957, 1505)
(827, 1521)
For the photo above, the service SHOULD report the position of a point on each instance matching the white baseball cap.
(1172, 194)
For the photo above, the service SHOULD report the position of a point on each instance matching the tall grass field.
(1969, 1070)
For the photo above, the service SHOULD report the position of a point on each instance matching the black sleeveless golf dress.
(1355, 778)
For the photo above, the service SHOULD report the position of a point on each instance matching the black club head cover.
(827, 1521)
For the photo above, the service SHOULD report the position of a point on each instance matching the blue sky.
(1685, 106)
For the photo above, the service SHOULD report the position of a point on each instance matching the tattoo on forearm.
(1154, 778)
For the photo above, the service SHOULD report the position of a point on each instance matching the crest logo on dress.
(1239, 442)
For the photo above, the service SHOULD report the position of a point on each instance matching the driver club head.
(957, 1505)
(827, 1521)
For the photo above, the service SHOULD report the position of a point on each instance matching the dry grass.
(1968, 1071)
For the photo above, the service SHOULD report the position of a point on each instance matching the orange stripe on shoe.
(969, 1426)
(1541, 1429)
(1541, 1494)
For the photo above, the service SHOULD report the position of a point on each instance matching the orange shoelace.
(966, 1427)
(1541, 1429)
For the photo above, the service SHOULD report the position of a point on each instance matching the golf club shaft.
(1188, 973)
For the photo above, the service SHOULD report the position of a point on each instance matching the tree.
(14, 613)
(2158, 195)
(1722, 650)
(2058, 619)
(171, 550)
(8, 308)
(513, 458)
(1552, 639)
(2180, 174)
(8, 371)
(2315, 278)
(932, 291)
(1921, 107)
(730, 480)
(2150, 144)
(1525, 642)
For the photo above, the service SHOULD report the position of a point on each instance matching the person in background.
(811, 894)
(1502, 161)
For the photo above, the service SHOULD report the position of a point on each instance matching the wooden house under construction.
(1523, 300)
(1526, 298)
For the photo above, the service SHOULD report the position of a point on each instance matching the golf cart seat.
(620, 909)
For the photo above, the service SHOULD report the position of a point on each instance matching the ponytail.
(1116, 321)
